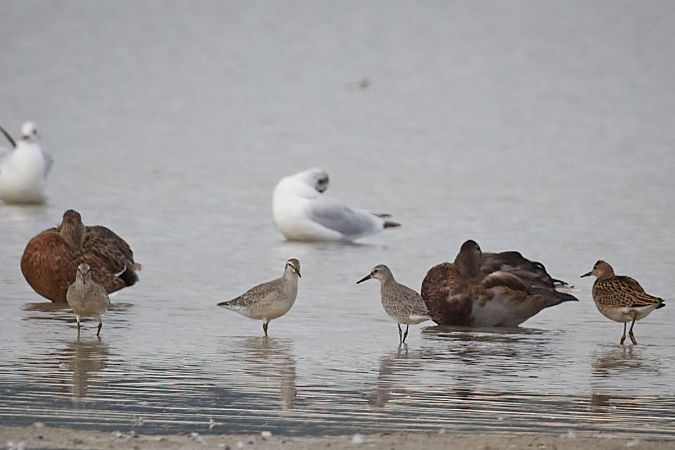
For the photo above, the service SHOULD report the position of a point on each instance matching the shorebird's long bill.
(587, 274)
(367, 277)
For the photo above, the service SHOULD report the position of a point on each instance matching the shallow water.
(539, 127)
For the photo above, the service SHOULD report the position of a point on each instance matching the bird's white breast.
(22, 174)
(289, 212)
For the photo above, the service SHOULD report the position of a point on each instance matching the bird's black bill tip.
(222, 303)
(367, 277)
(8, 136)
(588, 274)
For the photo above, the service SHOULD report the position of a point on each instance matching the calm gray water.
(545, 127)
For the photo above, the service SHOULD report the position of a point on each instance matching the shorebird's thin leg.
(100, 325)
(78, 325)
(405, 335)
(400, 334)
(265, 327)
(623, 338)
(630, 333)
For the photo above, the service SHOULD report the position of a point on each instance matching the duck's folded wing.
(532, 272)
(101, 239)
(110, 257)
(504, 279)
(335, 216)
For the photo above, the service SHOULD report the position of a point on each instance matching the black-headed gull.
(24, 168)
(302, 212)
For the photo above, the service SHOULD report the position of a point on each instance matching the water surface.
(534, 126)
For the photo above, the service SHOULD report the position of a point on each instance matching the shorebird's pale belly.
(626, 313)
(265, 312)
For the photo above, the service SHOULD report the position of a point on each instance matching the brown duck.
(50, 259)
(489, 289)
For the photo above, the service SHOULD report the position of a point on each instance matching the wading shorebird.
(269, 300)
(403, 304)
(301, 211)
(489, 289)
(24, 167)
(50, 259)
(87, 298)
(621, 298)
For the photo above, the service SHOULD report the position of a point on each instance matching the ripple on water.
(458, 379)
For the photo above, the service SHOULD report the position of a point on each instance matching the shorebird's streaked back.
(621, 298)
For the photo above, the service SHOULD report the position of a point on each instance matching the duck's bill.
(588, 274)
(367, 277)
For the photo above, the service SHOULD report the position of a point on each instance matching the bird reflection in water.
(272, 360)
(84, 359)
(392, 366)
(612, 360)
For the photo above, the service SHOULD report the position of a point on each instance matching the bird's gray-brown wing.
(407, 302)
(622, 291)
(259, 294)
(419, 308)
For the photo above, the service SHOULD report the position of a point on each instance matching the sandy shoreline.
(42, 437)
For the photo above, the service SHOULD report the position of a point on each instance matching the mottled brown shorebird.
(403, 304)
(621, 298)
(87, 298)
(269, 300)
(489, 289)
(50, 259)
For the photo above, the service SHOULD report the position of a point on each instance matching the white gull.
(24, 168)
(302, 212)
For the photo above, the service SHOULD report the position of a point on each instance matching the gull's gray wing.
(334, 215)
(49, 161)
